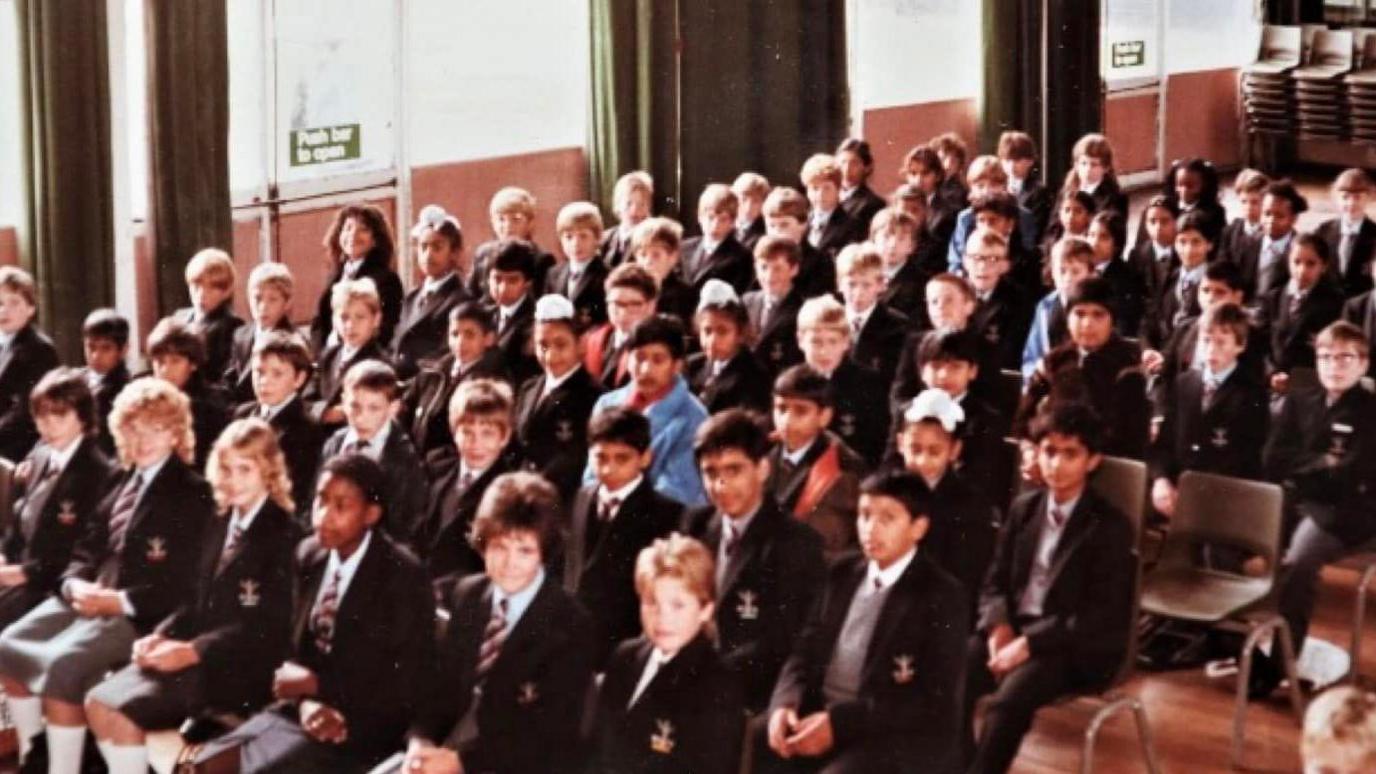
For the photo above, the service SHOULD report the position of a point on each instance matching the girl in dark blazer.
(423, 327)
(668, 703)
(725, 374)
(217, 651)
(359, 243)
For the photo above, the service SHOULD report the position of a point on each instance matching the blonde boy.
(357, 318)
(718, 253)
(750, 188)
(632, 199)
(579, 278)
(877, 330)
(825, 338)
(210, 278)
(829, 228)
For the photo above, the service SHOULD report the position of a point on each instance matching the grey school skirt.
(61, 655)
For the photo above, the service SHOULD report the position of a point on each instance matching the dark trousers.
(1013, 703)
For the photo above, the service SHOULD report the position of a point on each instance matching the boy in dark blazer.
(787, 214)
(717, 254)
(26, 353)
(895, 233)
(580, 276)
(1293, 313)
(517, 709)
(873, 682)
(1003, 310)
(362, 640)
(858, 418)
(773, 309)
(1054, 611)
(769, 565)
(270, 288)
(552, 409)
(1351, 237)
(877, 330)
(424, 323)
(1361, 312)
(480, 417)
(725, 373)
(632, 202)
(56, 490)
(750, 189)
(472, 355)
(1243, 233)
(511, 281)
(134, 564)
(357, 317)
(370, 394)
(610, 522)
(105, 341)
(210, 279)
(281, 366)
(632, 294)
(829, 227)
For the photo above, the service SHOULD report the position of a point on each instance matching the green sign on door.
(1129, 53)
(325, 144)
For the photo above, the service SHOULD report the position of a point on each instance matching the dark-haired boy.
(517, 710)
(610, 521)
(859, 418)
(105, 341)
(1351, 236)
(786, 215)
(949, 361)
(659, 391)
(26, 353)
(1054, 613)
(813, 475)
(769, 565)
(873, 681)
(281, 365)
(424, 323)
(512, 272)
(472, 355)
(773, 309)
(631, 294)
(369, 401)
(552, 409)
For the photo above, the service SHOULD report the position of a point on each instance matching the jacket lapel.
(752, 542)
(897, 605)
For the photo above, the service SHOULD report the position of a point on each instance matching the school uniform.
(907, 380)
(144, 540)
(1222, 433)
(1129, 293)
(816, 272)
(879, 340)
(689, 719)
(943, 206)
(552, 425)
(1065, 582)
(1267, 267)
(238, 620)
(389, 291)
(300, 437)
(1002, 319)
(217, 328)
(1361, 312)
(238, 372)
(210, 412)
(369, 663)
(983, 461)
(1024, 236)
(830, 232)
(422, 331)
(751, 233)
(1213, 215)
(104, 388)
(51, 506)
(615, 248)
(861, 204)
(522, 713)
(605, 358)
(1350, 251)
(442, 542)
(1153, 265)
(674, 421)
(738, 382)
(1238, 237)
(767, 577)
(728, 260)
(1291, 326)
(1182, 353)
(585, 288)
(677, 299)
(24, 359)
(1034, 197)
(425, 404)
(326, 387)
(775, 330)
(1109, 379)
(407, 487)
(515, 339)
(607, 531)
(881, 655)
(905, 290)
(820, 487)
(858, 416)
(1324, 454)
(964, 526)
(482, 259)
(1176, 302)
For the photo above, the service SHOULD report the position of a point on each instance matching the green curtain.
(67, 232)
(188, 137)
(1073, 95)
(634, 110)
(1011, 96)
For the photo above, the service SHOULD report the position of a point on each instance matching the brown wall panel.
(893, 131)
(9, 246)
(1130, 121)
(1201, 117)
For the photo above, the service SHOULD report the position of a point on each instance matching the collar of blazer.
(370, 577)
(579, 559)
(1082, 522)
(681, 670)
(898, 606)
(762, 527)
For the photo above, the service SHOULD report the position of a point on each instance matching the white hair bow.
(935, 404)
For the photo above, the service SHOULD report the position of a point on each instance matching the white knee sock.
(27, 714)
(125, 759)
(65, 745)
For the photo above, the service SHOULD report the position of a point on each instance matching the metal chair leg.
(1354, 651)
(1272, 624)
(1114, 705)
(1144, 737)
(1287, 649)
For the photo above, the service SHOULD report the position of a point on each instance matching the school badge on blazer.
(66, 513)
(903, 669)
(1220, 437)
(248, 593)
(527, 695)
(1342, 435)
(662, 742)
(747, 609)
(563, 431)
(847, 424)
(157, 549)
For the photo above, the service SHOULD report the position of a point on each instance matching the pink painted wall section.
(1130, 120)
(1202, 117)
(893, 131)
(9, 246)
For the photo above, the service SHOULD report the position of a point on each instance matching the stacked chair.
(1319, 88)
(1266, 87)
(1361, 93)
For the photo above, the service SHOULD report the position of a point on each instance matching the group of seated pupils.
(662, 504)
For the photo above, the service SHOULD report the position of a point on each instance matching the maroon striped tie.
(123, 511)
(322, 619)
(494, 634)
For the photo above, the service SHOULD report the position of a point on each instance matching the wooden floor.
(1191, 716)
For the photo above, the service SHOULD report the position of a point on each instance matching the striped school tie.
(123, 511)
(323, 618)
(236, 536)
(494, 634)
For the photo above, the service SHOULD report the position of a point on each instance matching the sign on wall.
(325, 144)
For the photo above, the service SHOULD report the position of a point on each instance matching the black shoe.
(1265, 677)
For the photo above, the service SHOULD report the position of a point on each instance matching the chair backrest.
(1123, 482)
(1364, 48)
(1332, 48)
(1307, 34)
(1010, 392)
(1225, 511)
(1281, 44)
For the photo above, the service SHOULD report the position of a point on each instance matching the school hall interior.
(134, 134)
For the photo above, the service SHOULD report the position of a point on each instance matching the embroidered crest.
(66, 512)
(526, 694)
(663, 742)
(847, 424)
(563, 431)
(747, 609)
(1338, 439)
(157, 549)
(903, 669)
(776, 353)
(1220, 438)
(248, 593)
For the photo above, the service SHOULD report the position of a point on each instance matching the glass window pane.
(10, 159)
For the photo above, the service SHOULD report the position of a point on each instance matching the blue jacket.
(1039, 335)
(965, 226)
(673, 424)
